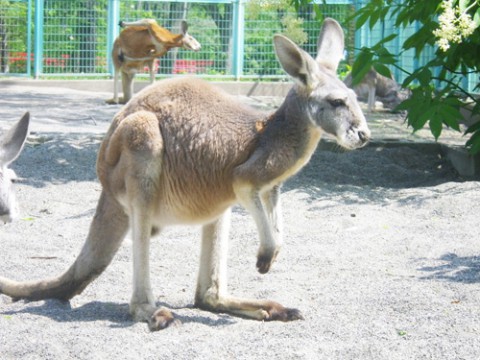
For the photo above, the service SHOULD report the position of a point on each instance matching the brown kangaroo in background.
(183, 152)
(376, 86)
(139, 45)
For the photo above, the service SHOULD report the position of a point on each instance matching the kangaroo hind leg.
(212, 294)
(142, 304)
(142, 147)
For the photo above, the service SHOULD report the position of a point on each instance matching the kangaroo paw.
(161, 319)
(265, 261)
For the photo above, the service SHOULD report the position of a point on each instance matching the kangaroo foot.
(264, 310)
(157, 318)
(115, 102)
(281, 313)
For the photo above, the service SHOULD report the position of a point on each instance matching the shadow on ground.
(461, 269)
(59, 158)
(373, 173)
(53, 158)
(116, 313)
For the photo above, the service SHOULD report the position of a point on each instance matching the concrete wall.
(245, 88)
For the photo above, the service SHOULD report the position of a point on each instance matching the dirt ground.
(381, 255)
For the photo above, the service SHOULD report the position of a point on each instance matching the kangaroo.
(11, 145)
(374, 85)
(183, 152)
(138, 46)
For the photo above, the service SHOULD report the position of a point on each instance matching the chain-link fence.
(51, 38)
(15, 37)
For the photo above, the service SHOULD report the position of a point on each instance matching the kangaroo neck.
(291, 122)
(291, 136)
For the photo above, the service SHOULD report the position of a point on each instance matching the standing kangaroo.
(139, 45)
(183, 152)
(11, 144)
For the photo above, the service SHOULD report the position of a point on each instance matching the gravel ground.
(381, 255)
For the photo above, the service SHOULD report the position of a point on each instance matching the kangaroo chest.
(298, 163)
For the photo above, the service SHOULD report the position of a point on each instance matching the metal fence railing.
(51, 38)
(74, 38)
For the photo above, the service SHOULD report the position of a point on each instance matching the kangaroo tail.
(107, 230)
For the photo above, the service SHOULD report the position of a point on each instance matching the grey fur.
(11, 145)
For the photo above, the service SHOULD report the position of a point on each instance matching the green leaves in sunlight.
(438, 86)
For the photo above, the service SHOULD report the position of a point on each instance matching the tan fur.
(183, 152)
(139, 45)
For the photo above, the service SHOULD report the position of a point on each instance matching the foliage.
(284, 12)
(14, 16)
(438, 91)
(299, 23)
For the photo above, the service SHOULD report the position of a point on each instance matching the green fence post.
(238, 37)
(112, 30)
(360, 34)
(29, 38)
(38, 39)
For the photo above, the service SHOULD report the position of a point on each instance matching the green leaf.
(425, 76)
(362, 19)
(473, 128)
(452, 122)
(361, 66)
(404, 105)
(374, 16)
(318, 12)
(476, 17)
(435, 126)
(408, 80)
(473, 143)
(382, 70)
(386, 39)
(463, 4)
(422, 119)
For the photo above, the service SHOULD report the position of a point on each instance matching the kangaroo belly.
(196, 196)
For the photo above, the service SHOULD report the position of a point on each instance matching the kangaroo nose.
(363, 136)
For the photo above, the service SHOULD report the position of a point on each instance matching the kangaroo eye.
(336, 102)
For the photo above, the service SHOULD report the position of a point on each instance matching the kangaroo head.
(189, 42)
(11, 144)
(326, 100)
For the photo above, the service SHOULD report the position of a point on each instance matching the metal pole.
(29, 38)
(112, 30)
(238, 37)
(38, 39)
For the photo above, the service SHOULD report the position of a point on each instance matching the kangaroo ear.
(330, 44)
(11, 143)
(184, 27)
(296, 62)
